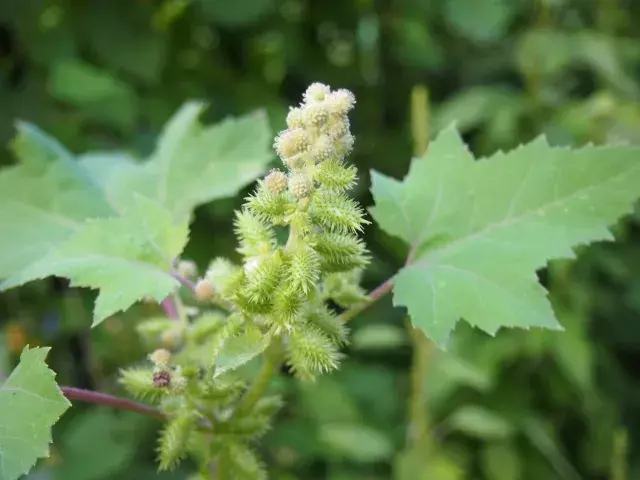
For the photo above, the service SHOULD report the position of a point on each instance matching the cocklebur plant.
(477, 230)
(274, 301)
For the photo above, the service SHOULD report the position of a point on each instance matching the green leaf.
(355, 442)
(481, 423)
(127, 258)
(538, 433)
(241, 349)
(121, 35)
(30, 403)
(193, 165)
(43, 200)
(237, 13)
(480, 20)
(84, 458)
(480, 230)
(95, 92)
(500, 461)
(52, 203)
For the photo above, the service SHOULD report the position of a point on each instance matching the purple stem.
(170, 308)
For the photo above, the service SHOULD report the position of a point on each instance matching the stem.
(170, 308)
(418, 435)
(418, 428)
(184, 281)
(270, 368)
(375, 295)
(89, 396)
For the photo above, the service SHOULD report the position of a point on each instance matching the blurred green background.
(106, 74)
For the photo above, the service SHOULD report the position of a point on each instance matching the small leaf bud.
(323, 149)
(187, 268)
(162, 379)
(294, 118)
(316, 92)
(341, 101)
(315, 115)
(290, 142)
(204, 290)
(300, 185)
(161, 357)
(276, 181)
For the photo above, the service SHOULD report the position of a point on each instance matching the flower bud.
(276, 181)
(297, 161)
(161, 358)
(300, 185)
(323, 149)
(338, 127)
(290, 142)
(187, 268)
(204, 290)
(316, 92)
(315, 115)
(295, 118)
(341, 101)
(345, 145)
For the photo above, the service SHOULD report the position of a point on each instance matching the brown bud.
(204, 290)
(161, 379)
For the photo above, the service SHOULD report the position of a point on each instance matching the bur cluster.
(284, 286)
(300, 251)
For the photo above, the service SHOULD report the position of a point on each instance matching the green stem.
(418, 428)
(375, 295)
(418, 436)
(270, 368)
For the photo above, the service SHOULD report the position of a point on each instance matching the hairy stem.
(270, 368)
(418, 436)
(375, 295)
(98, 398)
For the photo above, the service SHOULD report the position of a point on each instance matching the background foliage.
(106, 74)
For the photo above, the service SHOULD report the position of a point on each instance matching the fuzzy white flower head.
(316, 92)
(345, 144)
(300, 185)
(323, 148)
(341, 101)
(339, 127)
(295, 118)
(290, 142)
(315, 115)
(276, 181)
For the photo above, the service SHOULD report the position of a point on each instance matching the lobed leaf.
(127, 258)
(30, 403)
(479, 230)
(193, 165)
